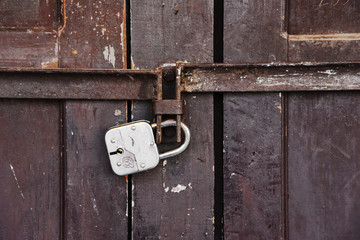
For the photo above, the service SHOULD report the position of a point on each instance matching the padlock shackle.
(176, 151)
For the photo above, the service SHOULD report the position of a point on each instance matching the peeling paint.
(16, 180)
(53, 63)
(166, 189)
(93, 200)
(178, 188)
(109, 54)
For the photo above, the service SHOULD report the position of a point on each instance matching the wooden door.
(261, 165)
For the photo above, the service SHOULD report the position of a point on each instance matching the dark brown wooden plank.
(96, 198)
(252, 166)
(29, 169)
(175, 200)
(29, 13)
(28, 49)
(315, 50)
(324, 167)
(324, 16)
(94, 35)
(170, 31)
(253, 31)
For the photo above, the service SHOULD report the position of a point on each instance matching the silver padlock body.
(131, 148)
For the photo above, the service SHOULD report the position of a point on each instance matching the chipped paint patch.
(178, 188)
(109, 54)
(53, 63)
(166, 189)
(93, 200)
(16, 180)
(117, 112)
(164, 163)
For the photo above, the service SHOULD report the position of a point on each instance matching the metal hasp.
(171, 105)
(131, 147)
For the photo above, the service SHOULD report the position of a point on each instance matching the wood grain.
(95, 198)
(253, 31)
(170, 31)
(94, 35)
(34, 14)
(175, 200)
(28, 49)
(29, 169)
(324, 51)
(252, 166)
(324, 16)
(324, 166)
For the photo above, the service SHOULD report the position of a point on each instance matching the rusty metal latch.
(131, 147)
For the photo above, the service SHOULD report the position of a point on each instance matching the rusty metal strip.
(267, 78)
(78, 84)
(168, 106)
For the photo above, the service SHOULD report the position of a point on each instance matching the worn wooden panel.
(313, 50)
(94, 34)
(170, 31)
(96, 198)
(34, 13)
(253, 31)
(323, 16)
(28, 49)
(252, 166)
(175, 200)
(324, 167)
(29, 170)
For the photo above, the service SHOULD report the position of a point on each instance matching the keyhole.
(118, 151)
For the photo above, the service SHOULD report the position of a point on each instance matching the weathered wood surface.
(252, 166)
(324, 167)
(336, 50)
(95, 198)
(253, 31)
(170, 31)
(29, 170)
(175, 200)
(78, 84)
(94, 35)
(28, 49)
(324, 16)
(267, 78)
(29, 14)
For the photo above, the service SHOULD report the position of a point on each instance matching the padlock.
(131, 147)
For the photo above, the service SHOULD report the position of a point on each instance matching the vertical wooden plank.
(29, 169)
(324, 167)
(253, 31)
(252, 166)
(94, 34)
(96, 198)
(170, 31)
(175, 200)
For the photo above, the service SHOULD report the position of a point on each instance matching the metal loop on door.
(177, 151)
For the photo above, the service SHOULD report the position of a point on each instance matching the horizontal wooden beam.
(78, 84)
(269, 78)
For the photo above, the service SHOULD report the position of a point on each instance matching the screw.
(142, 165)
(133, 128)
(113, 140)
(119, 164)
(152, 143)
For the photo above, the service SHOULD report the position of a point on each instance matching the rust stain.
(123, 35)
(63, 13)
